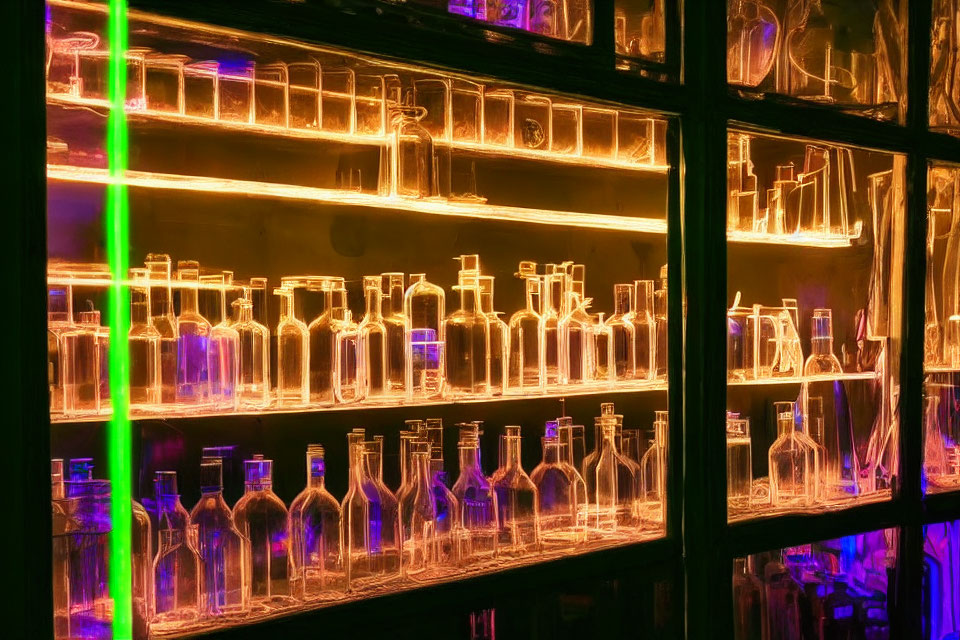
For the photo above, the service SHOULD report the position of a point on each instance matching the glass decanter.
(143, 342)
(418, 517)
(557, 493)
(466, 332)
(660, 318)
(449, 536)
(177, 580)
(315, 532)
(224, 349)
(347, 371)
(478, 500)
(262, 518)
(623, 331)
(653, 466)
(791, 462)
(613, 485)
(518, 514)
(164, 321)
(224, 551)
(193, 343)
(413, 172)
(254, 356)
(821, 360)
(395, 325)
(424, 307)
(644, 330)
(739, 464)
(372, 342)
(293, 353)
(525, 345)
(498, 337)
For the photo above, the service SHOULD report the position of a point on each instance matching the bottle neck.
(286, 307)
(621, 301)
(396, 298)
(511, 453)
(422, 479)
(469, 457)
(551, 451)
(468, 299)
(139, 313)
(373, 302)
(821, 345)
(316, 471)
(189, 299)
(533, 302)
(160, 301)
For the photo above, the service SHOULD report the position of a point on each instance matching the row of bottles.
(405, 347)
(216, 563)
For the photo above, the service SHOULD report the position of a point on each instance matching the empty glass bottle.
(644, 330)
(576, 332)
(293, 353)
(81, 365)
(498, 337)
(88, 510)
(602, 340)
(660, 316)
(518, 512)
(423, 305)
(141, 561)
(143, 341)
(653, 467)
(525, 346)
(372, 342)
(224, 551)
(315, 532)
(178, 580)
(413, 168)
(449, 536)
(193, 343)
(791, 462)
(552, 294)
(224, 349)
(478, 501)
(254, 356)
(322, 344)
(395, 323)
(59, 320)
(739, 464)
(466, 332)
(418, 517)
(557, 493)
(612, 485)
(262, 518)
(165, 322)
(821, 360)
(347, 364)
(623, 331)
(814, 435)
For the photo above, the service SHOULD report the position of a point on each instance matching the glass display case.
(941, 580)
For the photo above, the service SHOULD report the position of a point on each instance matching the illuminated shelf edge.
(940, 369)
(766, 512)
(356, 138)
(274, 410)
(352, 198)
(864, 375)
(824, 240)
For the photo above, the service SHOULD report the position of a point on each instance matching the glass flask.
(293, 353)
(478, 501)
(552, 294)
(791, 462)
(224, 350)
(395, 323)
(753, 39)
(423, 305)
(739, 464)
(498, 337)
(165, 322)
(413, 433)
(822, 360)
(622, 326)
(576, 333)
(322, 343)
(193, 343)
(143, 342)
(347, 371)
(81, 365)
(525, 343)
(372, 342)
(315, 532)
(660, 316)
(518, 513)
(466, 332)
(418, 517)
(224, 551)
(262, 518)
(653, 467)
(557, 493)
(141, 560)
(59, 320)
(644, 330)
(413, 171)
(612, 482)
(254, 356)
(178, 580)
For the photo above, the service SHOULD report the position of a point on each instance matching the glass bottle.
(413, 172)
(322, 344)
(576, 334)
(224, 551)
(224, 349)
(262, 518)
(143, 341)
(571, 459)
(935, 465)
(790, 462)
(814, 436)
(193, 343)
(660, 317)
(177, 580)
(498, 336)
(141, 560)
(424, 307)
(525, 344)
(293, 353)
(418, 517)
(169, 512)
(315, 532)
(372, 342)
(254, 356)
(552, 293)
(821, 360)
(258, 296)
(653, 467)
(622, 326)
(395, 323)
(644, 330)
(347, 366)
(165, 322)
(518, 514)
(478, 501)
(739, 464)
(449, 535)
(613, 485)
(413, 433)
(466, 332)
(59, 320)
(602, 340)
(81, 368)
(557, 494)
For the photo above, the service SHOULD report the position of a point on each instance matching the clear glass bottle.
(193, 342)
(623, 330)
(169, 512)
(143, 341)
(449, 535)
(660, 317)
(315, 532)
(223, 353)
(372, 342)
(571, 459)
(557, 493)
(413, 172)
(602, 337)
(576, 333)
(293, 353)
(262, 518)
(466, 331)
(224, 551)
(165, 322)
(395, 324)
(81, 365)
(526, 336)
(59, 321)
(552, 294)
(347, 364)
(478, 501)
(822, 360)
(791, 462)
(418, 517)
(253, 389)
(424, 307)
(613, 488)
(141, 561)
(739, 464)
(518, 513)
(653, 467)
(177, 580)
(644, 330)
(498, 336)
(814, 437)
(322, 344)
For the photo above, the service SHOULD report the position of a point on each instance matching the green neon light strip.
(118, 244)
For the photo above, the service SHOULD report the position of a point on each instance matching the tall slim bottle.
(424, 307)
(81, 365)
(223, 354)
(660, 317)
(576, 331)
(322, 346)
(518, 503)
(653, 468)
(623, 329)
(193, 343)
(165, 322)
(525, 345)
(347, 361)
(644, 330)
(498, 337)
(372, 342)
(253, 389)
(466, 332)
(552, 292)
(141, 565)
(293, 354)
(59, 320)
(144, 344)
(315, 532)
(418, 518)
(395, 323)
